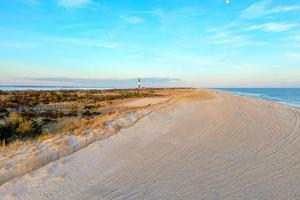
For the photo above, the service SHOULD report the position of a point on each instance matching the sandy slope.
(227, 148)
(146, 101)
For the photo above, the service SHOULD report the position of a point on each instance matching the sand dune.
(230, 147)
(146, 101)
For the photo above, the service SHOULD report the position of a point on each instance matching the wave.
(287, 96)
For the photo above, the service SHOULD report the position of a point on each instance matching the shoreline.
(258, 95)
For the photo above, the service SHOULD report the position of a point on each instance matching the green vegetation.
(16, 127)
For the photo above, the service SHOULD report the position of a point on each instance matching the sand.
(230, 147)
(146, 101)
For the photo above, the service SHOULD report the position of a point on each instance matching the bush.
(16, 127)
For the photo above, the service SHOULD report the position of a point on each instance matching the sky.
(207, 43)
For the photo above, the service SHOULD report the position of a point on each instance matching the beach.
(226, 147)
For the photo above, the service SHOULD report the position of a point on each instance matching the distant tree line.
(14, 99)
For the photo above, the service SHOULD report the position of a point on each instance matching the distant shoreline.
(45, 88)
(283, 96)
(53, 88)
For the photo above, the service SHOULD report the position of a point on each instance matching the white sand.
(146, 101)
(228, 148)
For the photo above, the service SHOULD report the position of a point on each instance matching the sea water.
(288, 96)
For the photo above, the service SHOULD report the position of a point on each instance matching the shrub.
(16, 127)
(25, 128)
(14, 118)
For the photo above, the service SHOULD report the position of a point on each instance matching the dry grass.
(196, 95)
(80, 126)
(16, 144)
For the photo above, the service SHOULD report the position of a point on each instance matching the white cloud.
(229, 38)
(272, 27)
(169, 16)
(226, 38)
(109, 83)
(73, 3)
(132, 19)
(263, 8)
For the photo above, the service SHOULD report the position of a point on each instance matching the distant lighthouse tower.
(139, 83)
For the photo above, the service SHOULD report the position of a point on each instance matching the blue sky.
(208, 43)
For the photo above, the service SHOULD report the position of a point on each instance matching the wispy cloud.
(168, 15)
(230, 38)
(185, 12)
(264, 8)
(272, 27)
(108, 83)
(73, 3)
(226, 38)
(132, 19)
(90, 4)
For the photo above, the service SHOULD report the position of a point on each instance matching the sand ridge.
(230, 147)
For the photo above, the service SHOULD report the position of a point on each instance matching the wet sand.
(230, 147)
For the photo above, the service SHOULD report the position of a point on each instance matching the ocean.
(287, 96)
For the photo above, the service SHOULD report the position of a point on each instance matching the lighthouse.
(139, 83)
